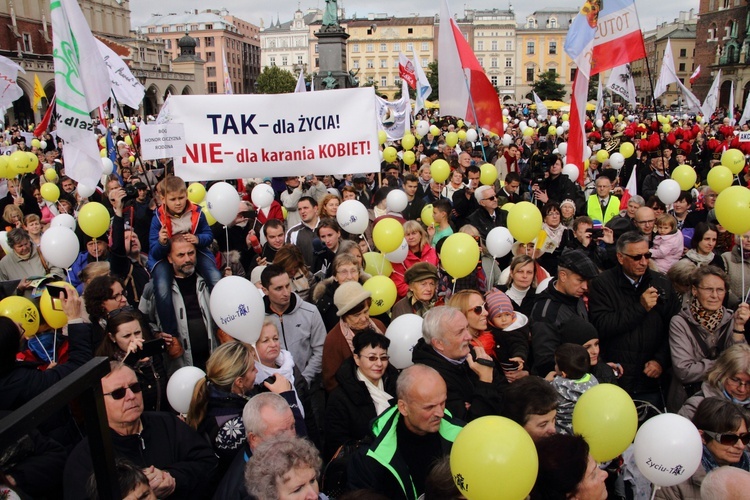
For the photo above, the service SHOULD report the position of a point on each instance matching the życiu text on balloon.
(235, 305)
(352, 217)
(499, 242)
(668, 449)
(383, 294)
(262, 195)
(223, 202)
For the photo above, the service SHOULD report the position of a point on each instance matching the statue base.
(332, 59)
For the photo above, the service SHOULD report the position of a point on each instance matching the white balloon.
(553, 120)
(423, 127)
(4, 242)
(398, 256)
(499, 242)
(587, 153)
(515, 121)
(565, 125)
(560, 131)
(616, 160)
(562, 148)
(507, 139)
(107, 166)
(555, 151)
(181, 385)
(599, 123)
(506, 112)
(43, 145)
(352, 217)
(235, 306)
(668, 449)
(668, 191)
(85, 191)
(262, 196)
(571, 171)
(396, 201)
(532, 123)
(404, 332)
(64, 220)
(522, 125)
(223, 201)
(60, 246)
(471, 135)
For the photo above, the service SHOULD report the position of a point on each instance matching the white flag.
(128, 90)
(541, 109)
(746, 113)
(730, 109)
(9, 89)
(164, 115)
(424, 89)
(300, 83)
(81, 86)
(667, 74)
(712, 98)
(393, 116)
(599, 101)
(621, 82)
(227, 80)
(691, 102)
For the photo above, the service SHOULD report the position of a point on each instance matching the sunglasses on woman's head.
(728, 439)
(115, 312)
(118, 394)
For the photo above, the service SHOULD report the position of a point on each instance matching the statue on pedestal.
(331, 14)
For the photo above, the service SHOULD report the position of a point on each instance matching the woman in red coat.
(419, 251)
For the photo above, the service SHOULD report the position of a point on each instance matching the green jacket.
(381, 461)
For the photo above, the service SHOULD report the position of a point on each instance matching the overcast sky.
(649, 11)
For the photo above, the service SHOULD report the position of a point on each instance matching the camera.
(595, 233)
(662, 294)
(131, 193)
(540, 181)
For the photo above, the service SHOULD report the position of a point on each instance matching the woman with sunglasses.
(723, 427)
(366, 388)
(729, 378)
(701, 331)
(101, 296)
(125, 335)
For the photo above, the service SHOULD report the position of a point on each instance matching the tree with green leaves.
(274, 80)
(432, 77)
(547, 87)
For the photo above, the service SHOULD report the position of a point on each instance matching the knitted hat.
(577, 331)
(497, 303)
(348, 295)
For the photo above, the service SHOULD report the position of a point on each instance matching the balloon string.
(226, 232)
(382, 265)
(96, 254)
(54, 346)
(49, 358)
(742, 268)
(67, 272)
(366, 242)
(653, 494)
(490, 284)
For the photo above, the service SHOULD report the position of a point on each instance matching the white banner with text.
(276, 135)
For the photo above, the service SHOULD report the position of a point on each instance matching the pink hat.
(497, 303)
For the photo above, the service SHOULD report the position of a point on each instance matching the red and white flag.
(406, 70)
(465, 90)
(631, 189)
(695, 74)
(598, 40)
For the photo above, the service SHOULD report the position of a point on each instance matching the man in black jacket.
(488, 216)
(631, 307)
(475, 387)
(464, 202)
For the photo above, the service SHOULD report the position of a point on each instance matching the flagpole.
(135, 147)
(476, 119)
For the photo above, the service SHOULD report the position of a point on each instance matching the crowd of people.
(619, 287)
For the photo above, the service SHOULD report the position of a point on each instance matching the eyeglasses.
(712, 291)
(115, 312)
(728, 439)
(639, 257)
(478, 309)
(737, 382)
(373, 358)
(645, 222)
(491, 198)
(118, 394)
(117, 296)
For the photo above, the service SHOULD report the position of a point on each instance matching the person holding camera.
(126, 259)
(296, 188)
(554, 185)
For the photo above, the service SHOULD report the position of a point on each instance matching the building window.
(209, 41)
(369, 47)
(27, 43)
(410, 47)
(530, 48)
(168, 44)
(142, 54)
(425, 63)
(552, 71)
(508, 62)
(316, 48)
(683, 52)
(552, 23)
(480, 45)
(317, 62)
(493, 80)
(395, 63)
(356, 64)
(210, 71)
(193, 27)
(553, 47)
(383, 81)
(411, 30)
(180, 28)
(355, 47)
(211, 87)
(508, 81)
(209, 26)
(712, 33)
(494, 45)
(272, 61)
(425, 46)
(681, 67)
(383, 63)
(299, 60)
(284, 60)
(370, 64)
(152, 30)
(383, 47)
(396, 47)
(481, 61)
(397, 82)
(493, 62)
(160, 56)
(508, 45)
(165, 29)
(530, 74)
(210, 56)
(573, 74)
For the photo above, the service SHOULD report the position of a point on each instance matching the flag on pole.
(406, 70)
(695, 74)
(300, 83)
(746, 113)
(712, 98)
(599, 100)
(393, 116)
(465, 90)
(126, 87)
(598, 40)
(631, 189)
(730, 108)
(43, 125)
(692, 103)
(621, 82)
(541, 109)
(38, 92)
(424, 89)
(81, 86)
(164, 115)
(111, 149)
(667, 74)
(9, 88)
(227, 80)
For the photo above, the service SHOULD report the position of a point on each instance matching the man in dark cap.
(363, 195)
(561, 301)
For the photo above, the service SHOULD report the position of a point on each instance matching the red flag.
(695, 74)
(631, 189)
(465, 90)
(43, 125)
(406, 70)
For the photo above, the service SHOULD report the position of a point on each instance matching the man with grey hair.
(488, 216)
(724, 483)
(631, 307)
(265, 416)
(408, 438)
(475, 385)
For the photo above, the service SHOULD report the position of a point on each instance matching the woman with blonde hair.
(419, 251)
(329, 206)
(219, 398)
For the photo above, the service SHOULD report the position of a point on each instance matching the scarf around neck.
(380, 398)
(700, 260)
(349, 334)
(707, 319)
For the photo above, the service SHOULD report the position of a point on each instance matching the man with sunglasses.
(177, 461)
(488, 216)
(631, 306)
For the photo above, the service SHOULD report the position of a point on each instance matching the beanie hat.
(577, 331)
(497, 303)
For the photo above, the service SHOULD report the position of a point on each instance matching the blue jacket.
(200, 228)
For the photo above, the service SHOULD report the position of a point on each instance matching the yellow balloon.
(23, 312)
(627, 149)
(459, 255)
(103, 142)
(128, 140)
(508, 206)
(524, 221)
(5, 172)
(50, 174)
(612, 119)
(620, 118)
(383, 294)
(666, 128)
(605, 415)
(389, 154)
(409, 158)
(103, 153)
(733, 159)
(461, 135)
(93, 219)
(133, 127)
(551, 131)
(210, 218)
(492, 451)
(528, 132)
(699, 118)
(377, 265)
(408, 141)
(460, 123)
(20, 161)
(602, 155)
(388, 234)
(196, 192)
(440, 170)
(487, 174)
(434, 130)
(33, 162)
(719, 178)
(131, 158)
(50, 191)
(426, 216)
(51, 308)
(283, 211)
(733, 209)
(382, 137)
(685, 177)
(35, 143)
(451, 139)
(565, 117)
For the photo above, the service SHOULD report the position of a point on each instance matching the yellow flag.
(38, 91)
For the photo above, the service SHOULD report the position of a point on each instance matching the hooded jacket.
(198, 226)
